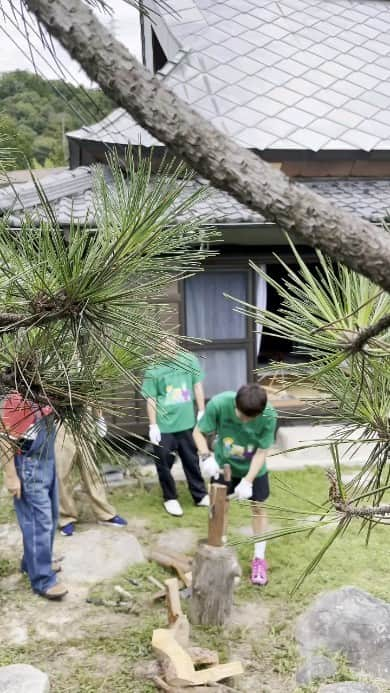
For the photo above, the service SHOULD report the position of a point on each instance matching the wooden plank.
(218, 493)
(202, 656)
(173, 599)
(181, 631)
(163, 641)
(183, 670)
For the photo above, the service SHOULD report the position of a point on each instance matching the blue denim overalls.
(37, 509)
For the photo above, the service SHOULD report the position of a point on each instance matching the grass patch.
(271, 649)
(348, 561)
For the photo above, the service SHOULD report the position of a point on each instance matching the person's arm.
(256, 464)
(201, 442)
(154, 430)
(11, 479)
(199, 398)
(151, 410)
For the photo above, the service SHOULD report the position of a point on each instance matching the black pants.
(183, 443)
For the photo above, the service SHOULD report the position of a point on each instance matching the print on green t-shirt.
(171, 385)
(236, 441)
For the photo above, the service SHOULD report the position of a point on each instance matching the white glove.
(101, 427)
(154, 434)
(244, 490)
(199, 415)
(210, 468)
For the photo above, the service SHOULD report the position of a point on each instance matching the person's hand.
(154, 434)
(210, 468)
(13, 485)
(199, 415)
(244, 490)
(101, 427)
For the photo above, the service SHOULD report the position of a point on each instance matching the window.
(210, 315)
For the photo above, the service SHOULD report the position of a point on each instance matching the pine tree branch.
(365, 512)
(10, 322)
(362, 246)
(368, 333)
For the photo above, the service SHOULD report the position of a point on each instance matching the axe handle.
(227, 472)
(227, 475)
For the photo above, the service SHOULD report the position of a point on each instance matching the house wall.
(134, 422)
(172, 318)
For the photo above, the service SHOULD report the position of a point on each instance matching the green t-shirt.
(237, 441)
(171, 385)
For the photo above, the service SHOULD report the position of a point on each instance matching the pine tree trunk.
(213, 572)
(317, 222)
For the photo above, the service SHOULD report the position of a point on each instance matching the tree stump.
(213, 572)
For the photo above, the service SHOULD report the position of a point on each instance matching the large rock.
(98, 554)
(22, 678)
(314, 669)
(351, 622)
(348, 687)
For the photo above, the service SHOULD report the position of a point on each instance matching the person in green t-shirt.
(171, 388)
(244, 426)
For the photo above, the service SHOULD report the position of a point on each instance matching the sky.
(124, 23)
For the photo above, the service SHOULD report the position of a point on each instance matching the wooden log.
(213, 573)
(218, 493)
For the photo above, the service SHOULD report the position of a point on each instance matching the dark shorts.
(260, 487)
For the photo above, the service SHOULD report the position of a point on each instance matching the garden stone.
(351, 622)
(315, 668)
(348, 687)
(98, 554)
(23, 678)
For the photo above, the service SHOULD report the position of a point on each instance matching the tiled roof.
(286, 74)
(70, 195)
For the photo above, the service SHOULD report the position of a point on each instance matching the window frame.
(248, 343)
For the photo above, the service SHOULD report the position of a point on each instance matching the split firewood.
(161, 685)
(123, 593)
(159, 595)
(173, 599)
(184, 673)
(168, 559)
(214, 688)
(156, 583)
(181, 631)
(200, 655)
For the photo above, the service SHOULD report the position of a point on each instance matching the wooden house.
(306, 85)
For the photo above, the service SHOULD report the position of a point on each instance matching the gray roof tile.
(310, 57)
(329, 96)
(268, 106)
(234, 93)
(70, 194)
(246, 116)
(346, 118)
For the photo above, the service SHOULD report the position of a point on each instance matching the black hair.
(251, 399)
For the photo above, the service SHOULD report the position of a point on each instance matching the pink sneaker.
(259, 571)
